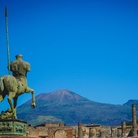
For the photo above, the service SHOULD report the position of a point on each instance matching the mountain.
(68, 107)
(130, 102)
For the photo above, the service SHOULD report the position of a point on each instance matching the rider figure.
(19, 67)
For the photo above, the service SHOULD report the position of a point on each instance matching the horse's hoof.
(33, 105)
(15, 117)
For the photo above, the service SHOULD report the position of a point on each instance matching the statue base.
(14, 136)
(12, 128)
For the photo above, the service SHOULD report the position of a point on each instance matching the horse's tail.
(1, 84)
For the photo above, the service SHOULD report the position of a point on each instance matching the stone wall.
(50, 130)
(80, 131)
(62, 131)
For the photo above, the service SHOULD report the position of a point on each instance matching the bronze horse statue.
(12, 87)
(15, 85)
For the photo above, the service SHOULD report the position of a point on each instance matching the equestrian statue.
(14, 85)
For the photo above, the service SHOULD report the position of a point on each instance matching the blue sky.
(87, 46)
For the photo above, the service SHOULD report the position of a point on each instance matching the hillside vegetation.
(71, 108)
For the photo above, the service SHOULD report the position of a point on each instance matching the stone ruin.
(60, 130)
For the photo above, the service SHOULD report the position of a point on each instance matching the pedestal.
(12, 127)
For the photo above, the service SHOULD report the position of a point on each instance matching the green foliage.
(44, 119)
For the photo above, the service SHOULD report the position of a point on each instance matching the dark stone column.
(134, 121)
(80, 132)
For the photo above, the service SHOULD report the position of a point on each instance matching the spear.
(7, 39)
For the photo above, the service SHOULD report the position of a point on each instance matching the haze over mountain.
(68, 107)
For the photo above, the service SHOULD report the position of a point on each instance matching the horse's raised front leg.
(33, 96)
(11, 95)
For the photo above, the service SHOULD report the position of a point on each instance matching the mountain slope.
(71, 108)
(130, 102)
